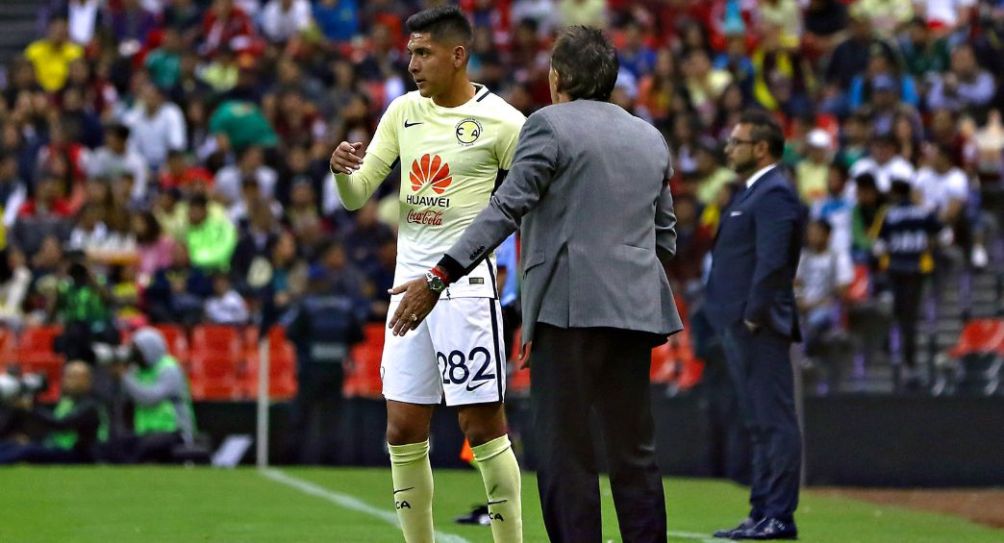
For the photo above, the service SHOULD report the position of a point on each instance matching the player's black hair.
(444, 23)
(765, 128)
(586, 63)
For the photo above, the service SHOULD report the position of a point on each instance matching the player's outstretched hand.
(417, 303)
(347, 157)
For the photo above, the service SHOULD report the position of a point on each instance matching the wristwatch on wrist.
(434, 282)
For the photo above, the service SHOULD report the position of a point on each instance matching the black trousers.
(760, 364)
(315, 414)
(907, 290)
(574, 370)
(154, 447)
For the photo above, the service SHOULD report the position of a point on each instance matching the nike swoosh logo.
(496, 502)
(403, 489)
(409, 125)
(481, 384)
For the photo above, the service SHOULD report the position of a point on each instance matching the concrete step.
(984, 280)
(19, 9)
(941, 339)
(21, 31)
(954, 295)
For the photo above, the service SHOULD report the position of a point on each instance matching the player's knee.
(480, 429)
(480, 436)
(401, 432)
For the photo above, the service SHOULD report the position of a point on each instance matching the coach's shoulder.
(544, 117)
(648, 130)
(557, 116)
(779, 187)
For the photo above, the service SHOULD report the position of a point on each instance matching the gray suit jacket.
(588, 187)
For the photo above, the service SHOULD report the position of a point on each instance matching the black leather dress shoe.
(746, 524)
(768, 529)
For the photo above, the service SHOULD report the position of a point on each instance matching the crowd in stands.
(179, 148)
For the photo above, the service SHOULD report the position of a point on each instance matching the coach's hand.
(417, 303)
(524, 355)
(346, 158)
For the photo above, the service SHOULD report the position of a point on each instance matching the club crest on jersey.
(468, 131)
(430, 170)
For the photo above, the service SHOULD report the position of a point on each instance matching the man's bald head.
(77, 378)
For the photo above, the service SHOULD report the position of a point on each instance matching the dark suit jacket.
(755, 257)
(587, 186)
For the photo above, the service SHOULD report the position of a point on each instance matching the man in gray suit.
(588, 188)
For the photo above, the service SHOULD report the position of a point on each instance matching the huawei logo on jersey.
(430, 170)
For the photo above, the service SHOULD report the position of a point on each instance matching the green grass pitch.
(201, 505)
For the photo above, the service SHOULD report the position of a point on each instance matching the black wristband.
(452, 268)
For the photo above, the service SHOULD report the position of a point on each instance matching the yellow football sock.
(500, 472)
(412, 475)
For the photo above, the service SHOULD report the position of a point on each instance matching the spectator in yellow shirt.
(813, 172)
(52, 56)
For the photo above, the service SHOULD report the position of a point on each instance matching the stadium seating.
(8, 341)
(33, 353)
(860, 286)
(674, 363)
(281, 368)
(222, 361)
(216, 363)
(980, 336)
(362, 375)
(979, 357)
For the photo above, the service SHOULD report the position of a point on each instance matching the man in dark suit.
(588, 189)
(751, 301)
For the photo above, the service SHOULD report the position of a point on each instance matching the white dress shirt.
(757, 175)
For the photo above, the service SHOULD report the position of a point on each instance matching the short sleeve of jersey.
(957, 185)
(384, 144)
(508, 138)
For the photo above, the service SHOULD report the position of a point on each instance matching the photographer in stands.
(68, 433)
(163, 415)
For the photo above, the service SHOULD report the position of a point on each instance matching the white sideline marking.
(347, 501)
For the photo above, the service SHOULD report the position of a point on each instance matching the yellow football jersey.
(450, 159)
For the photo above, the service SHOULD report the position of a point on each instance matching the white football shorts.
(457, 351)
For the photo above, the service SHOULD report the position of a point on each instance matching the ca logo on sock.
(403, 504)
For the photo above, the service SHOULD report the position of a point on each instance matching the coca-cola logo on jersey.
(426, 218)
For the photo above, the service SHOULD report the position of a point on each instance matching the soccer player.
(454, 140)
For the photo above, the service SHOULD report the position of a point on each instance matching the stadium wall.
(882, 441)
